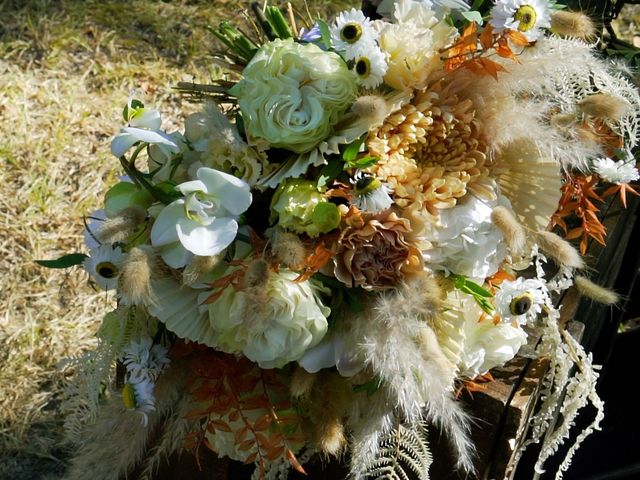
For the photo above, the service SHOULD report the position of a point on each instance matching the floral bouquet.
(354, 227)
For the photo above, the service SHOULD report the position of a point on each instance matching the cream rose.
(274, 332)
(292, 95)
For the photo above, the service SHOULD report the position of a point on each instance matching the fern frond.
(404, 449)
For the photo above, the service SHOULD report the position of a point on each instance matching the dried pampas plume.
(573, 25)
(420, 296)
(137, 271)
(559, 249)
(198, 267)
(118, 228)
(604, 106)
(257, 273)
(288, 248)
(595, 292)
(513, 233)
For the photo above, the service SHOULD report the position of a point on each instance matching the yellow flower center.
(527, 17)
(521, 304)
(106, 269)
(351, 32)
(128, 396)
(363, 67)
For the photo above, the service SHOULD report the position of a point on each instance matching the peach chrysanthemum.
(431, 151)
(374, 252)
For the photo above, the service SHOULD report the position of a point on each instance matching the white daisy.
(526, 16)
(370, 194)
(370, 66)
(103, 265)
(139, 396)
(145, 361)
(92, 226)
(616, 172)
(352, 33)
(521, 300)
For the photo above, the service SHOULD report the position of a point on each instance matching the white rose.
(291, 320)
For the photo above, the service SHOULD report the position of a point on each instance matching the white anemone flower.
(370, 65)
(521, 300)
(370, 194)
(144, 126)
(145, 361)
(616, 172)
(139, 396)
(92, 226)
(352, 33)
(103, 265)
(527, 16)
(204, 222)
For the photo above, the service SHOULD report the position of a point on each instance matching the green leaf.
(64, 261)
(479, 294)
(364, 162)
(278, 22)
(371, 387)
(329, 172)
(129, 110)
(325, 33)
(351, 152)
(473, 16)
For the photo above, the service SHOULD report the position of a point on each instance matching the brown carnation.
(373, 251)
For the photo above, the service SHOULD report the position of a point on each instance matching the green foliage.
(65, 261)
(479, 294)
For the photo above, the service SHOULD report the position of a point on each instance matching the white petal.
(149, 119)
(192, 186)
(321, 356)
(151, 136)
(234, 193)
(175, 255)
(121, 143)
(164, 229)
(207, 240)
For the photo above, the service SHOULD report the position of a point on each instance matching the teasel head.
(288, 249)
(569, 24)
(199, 267)
(559, 249)
(372, 108)
(120, 227)
(134, 284)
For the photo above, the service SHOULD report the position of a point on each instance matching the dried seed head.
(573, 25)
(595, 292)
(288, 248)
(134, 283)
(513, 233)
(198, 267)
(559, 249)
(118, 228)
(301, 383)
(373, 108)
(329, 436)
(604, 106)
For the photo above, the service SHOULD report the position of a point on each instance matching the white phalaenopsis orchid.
(143, 126)
(204, 221)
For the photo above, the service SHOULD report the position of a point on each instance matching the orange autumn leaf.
(484, 66)
(517, 37)
(294, 462)
(486, 38)
(314, 262)
(504, 50)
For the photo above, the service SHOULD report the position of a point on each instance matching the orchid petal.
(234, 194)
(207, 240)
(175, 255)
(147, 118)
(192, 186)
(164, 231)
(121, 143)
(151, 136)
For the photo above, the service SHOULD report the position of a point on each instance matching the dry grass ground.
(66, 69)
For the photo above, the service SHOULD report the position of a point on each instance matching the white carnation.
(616, 172)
